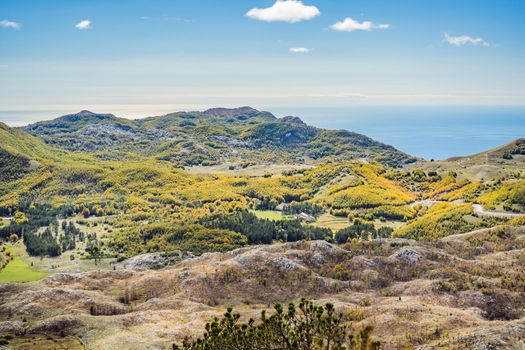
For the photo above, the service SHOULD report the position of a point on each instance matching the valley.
(132, 234)
(262, 175)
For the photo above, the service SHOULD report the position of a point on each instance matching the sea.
(426, 132)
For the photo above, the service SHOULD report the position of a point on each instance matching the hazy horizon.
(430, 132)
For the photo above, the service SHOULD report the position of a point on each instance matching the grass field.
(19, 271)
(336, 223)
(63, 263)
(332, 222)
(4, 222)
(42, 266)
(393, 224)
(270, 215)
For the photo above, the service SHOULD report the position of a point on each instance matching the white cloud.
(10, 24)
(83, 25)
(291, 11)
(300, 50)
(349, 25)
(461, 40)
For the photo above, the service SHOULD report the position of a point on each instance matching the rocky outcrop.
(406, 254)
(151, 261)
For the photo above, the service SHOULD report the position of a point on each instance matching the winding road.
(478, 209)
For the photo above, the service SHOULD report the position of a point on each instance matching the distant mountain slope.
(17, 142)
(29, 167)
(20, 153)
(24, 147)
(507, 151)
(214, 136)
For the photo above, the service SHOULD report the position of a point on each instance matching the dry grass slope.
(462, 292)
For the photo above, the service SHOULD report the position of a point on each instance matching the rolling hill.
(214, 136)
(507, 151)
(444, 294)
(99, 201)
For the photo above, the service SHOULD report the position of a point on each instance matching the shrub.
(306, 327)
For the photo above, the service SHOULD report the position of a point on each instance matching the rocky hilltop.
(211, 137)
(462, 292)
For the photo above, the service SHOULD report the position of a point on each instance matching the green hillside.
(95, 186)
(211, 137)
(146, 204)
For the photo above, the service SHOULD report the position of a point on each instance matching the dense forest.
(264, 231)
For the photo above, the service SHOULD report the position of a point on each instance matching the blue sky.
(207, 53)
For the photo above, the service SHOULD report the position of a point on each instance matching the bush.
(306, 327)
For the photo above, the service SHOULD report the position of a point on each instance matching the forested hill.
(215, 136)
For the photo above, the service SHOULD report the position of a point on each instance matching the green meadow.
(19, 271)
(270, 215)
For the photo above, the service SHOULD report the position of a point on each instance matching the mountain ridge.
(214, 136)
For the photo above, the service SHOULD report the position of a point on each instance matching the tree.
(305, 327)
(93, 249)
(518, 196)
(41, 244)
(20, 218)
(85, 213)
